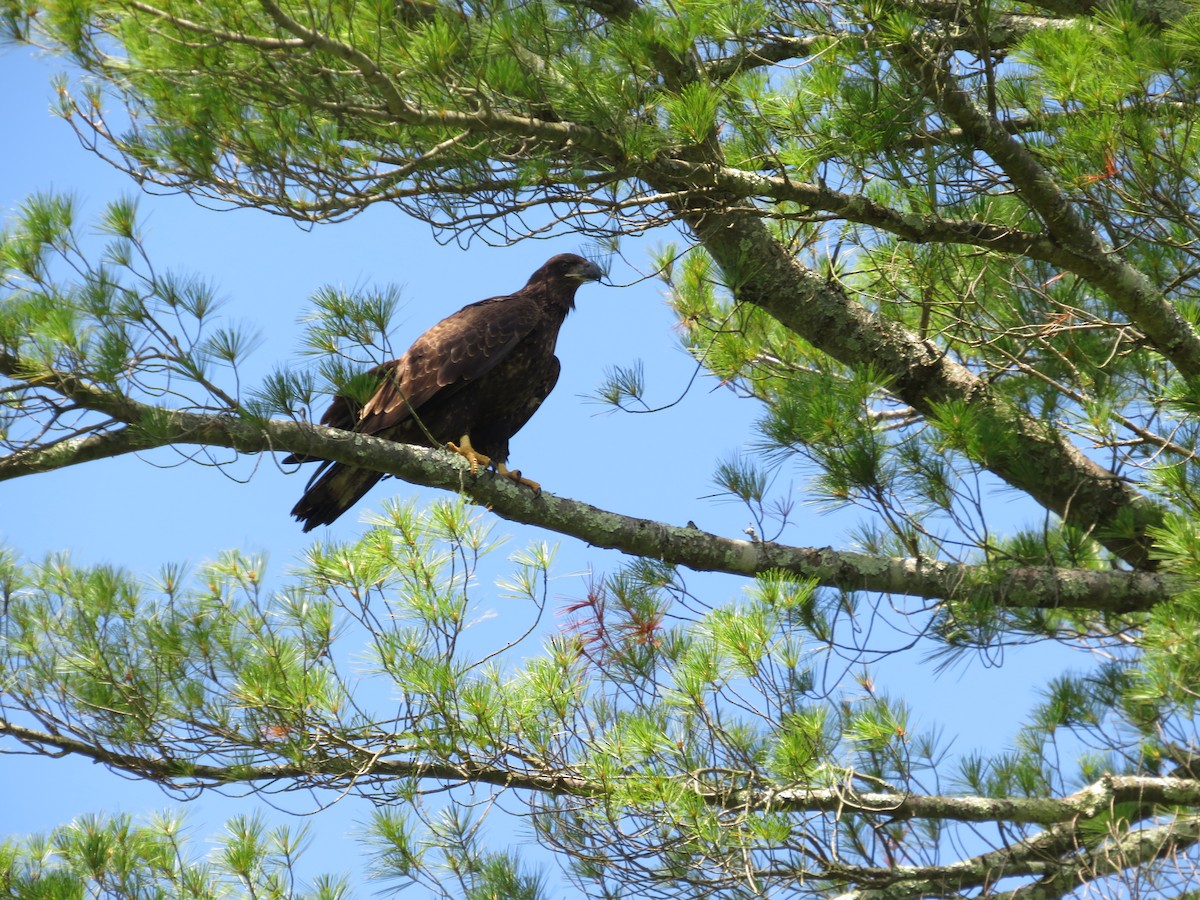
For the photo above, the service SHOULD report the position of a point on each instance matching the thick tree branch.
(70, 452)
(1129, 849)
(1036, 855)
(1034, 458)
(863, 210)
(1109, 591)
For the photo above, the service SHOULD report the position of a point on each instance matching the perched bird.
(469, 383)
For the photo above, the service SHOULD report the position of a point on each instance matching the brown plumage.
(473, 379)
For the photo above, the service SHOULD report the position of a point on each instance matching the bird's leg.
(473, 456)
(515, 475)
(477, 460)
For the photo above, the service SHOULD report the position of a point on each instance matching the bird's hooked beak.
(587, 271)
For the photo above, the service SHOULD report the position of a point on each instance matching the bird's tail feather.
(334, 492)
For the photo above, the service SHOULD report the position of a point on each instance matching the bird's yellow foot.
(473, 456)
(515, 475)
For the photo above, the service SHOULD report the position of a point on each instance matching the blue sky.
(142, 512)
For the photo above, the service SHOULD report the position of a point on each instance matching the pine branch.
(863, 210)
(1130, 849)
(1004, 30)
(1158, 12)
(396, 109)
(1131, 291)
(1087, 803)
(1035, 855)
(1108, 591)
(1034, 458)
(189, 773)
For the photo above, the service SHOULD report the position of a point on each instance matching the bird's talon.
(474, 458)
(515, 475)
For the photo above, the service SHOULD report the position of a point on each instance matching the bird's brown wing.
(458, 350)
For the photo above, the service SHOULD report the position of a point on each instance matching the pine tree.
(946, 247)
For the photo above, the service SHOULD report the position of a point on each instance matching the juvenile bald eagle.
(469, 383)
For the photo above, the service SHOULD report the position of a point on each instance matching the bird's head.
(568, 267)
